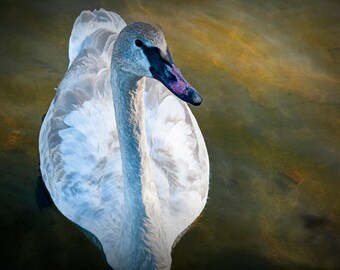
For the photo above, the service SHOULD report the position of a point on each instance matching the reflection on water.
(269, 73)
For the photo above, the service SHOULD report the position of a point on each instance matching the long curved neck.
(142, 228)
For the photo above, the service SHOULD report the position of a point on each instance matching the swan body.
(121, 156)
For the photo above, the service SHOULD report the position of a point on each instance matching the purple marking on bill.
(181, 86)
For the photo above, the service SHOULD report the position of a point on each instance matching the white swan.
(121, 156)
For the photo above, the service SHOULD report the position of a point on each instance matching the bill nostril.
(173, 77)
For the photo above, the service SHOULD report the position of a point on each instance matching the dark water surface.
(269, 74)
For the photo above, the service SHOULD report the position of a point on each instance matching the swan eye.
(138, 43)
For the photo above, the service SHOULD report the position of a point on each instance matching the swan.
(122, 156)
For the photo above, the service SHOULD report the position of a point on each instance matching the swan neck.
(129, 111)
(142, 213)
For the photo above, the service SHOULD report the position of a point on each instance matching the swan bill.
(171, 77)
(164, 70)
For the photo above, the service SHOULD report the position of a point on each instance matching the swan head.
(141, 50)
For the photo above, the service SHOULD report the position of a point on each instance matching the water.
(269, 75)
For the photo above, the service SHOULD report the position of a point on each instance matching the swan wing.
(89, 22)
(78, 143)
(179, 157)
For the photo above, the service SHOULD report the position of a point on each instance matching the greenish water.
(269, 74)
